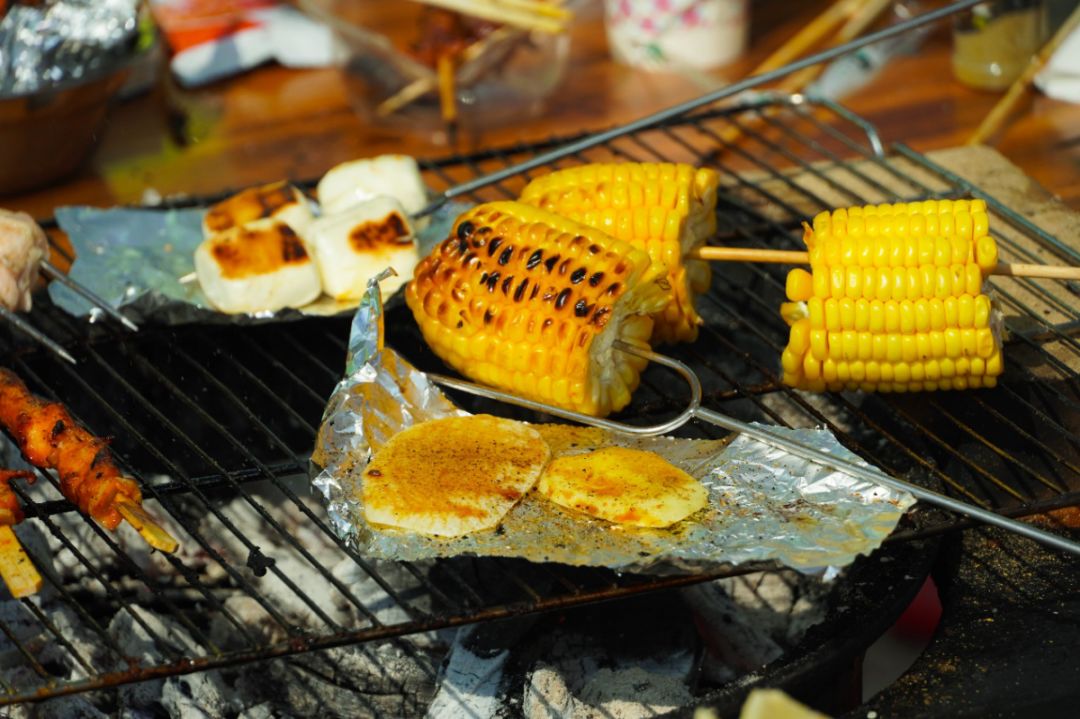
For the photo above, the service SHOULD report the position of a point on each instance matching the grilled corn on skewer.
(894, 300)
(531, 302)
(665, 209)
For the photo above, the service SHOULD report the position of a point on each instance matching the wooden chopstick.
(797, 257)
(1000, 111)
(512, 13)
(445, 69)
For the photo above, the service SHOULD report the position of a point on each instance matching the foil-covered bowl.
(59, 73)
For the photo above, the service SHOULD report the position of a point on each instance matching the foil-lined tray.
(763, 503)
(141, 260)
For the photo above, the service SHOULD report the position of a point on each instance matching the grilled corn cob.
(528, 301)
(665, 209)
(894, 300)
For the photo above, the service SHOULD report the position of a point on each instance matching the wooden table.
(272, 122)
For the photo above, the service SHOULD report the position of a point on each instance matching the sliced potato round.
(453, 476)
(626, 486)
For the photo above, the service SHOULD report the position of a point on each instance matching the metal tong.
(55, 273)
(694, 410)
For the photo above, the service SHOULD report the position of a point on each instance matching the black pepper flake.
(520, 291)
(562, 299)
(483, 278)
(534, 259)
(581, 309)
(577, 276)
(492, 281)
(465, 230)
(494, 246)
(595, 249)
(506, 256)
(596, 279)
(550, 262)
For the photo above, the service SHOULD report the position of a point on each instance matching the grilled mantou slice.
(626, 486)
(453, 476)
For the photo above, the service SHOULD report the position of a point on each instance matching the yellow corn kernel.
(978, 366)
(836, 345)
(930, 386)
(866, 345)
(799, 337)
(883, 283)
(857, 370)
(932, 370)
(865, 246)
(881, 251)
(815, 310)
(922, 340)
(828, 370)
(937, 344)
(822, 283)
(887, 373)
(952, 311)
(892, 316)
(985, 345)
(811, 367)
(909, 348)
(926, 251)
(918, 371)
(957, 280)
(927, 280)
(843, 372)
(969, 342)
(948, 368)
(960, 382)
(912, 290)
(837, 281)
(897, 251)
(922, 315)
(877, 316)
(943, 286)
(862, 315)
(790, 361)
(946, 225)
(937, 314)
(986, 254)
(963, 367)
(907, 317)
(832, 314)
(942, 252)
(982, 311)
(880, 346)
(973, 279)
(873, 371)
(953, 348)
(847, 313)
(800, 285)
(853, 288)
(965, 311)
(791, 379)
(980, 224)
(851, 344)
(901, 373)
(819, 344)
(894, 348)
(963, 235)
(792, 312)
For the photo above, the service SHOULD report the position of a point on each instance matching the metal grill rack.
(216, 423)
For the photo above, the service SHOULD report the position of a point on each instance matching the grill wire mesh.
(216, 423)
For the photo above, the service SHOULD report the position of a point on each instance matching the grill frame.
(204, 471)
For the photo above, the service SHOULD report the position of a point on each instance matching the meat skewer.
(89, 479)
(17, 570)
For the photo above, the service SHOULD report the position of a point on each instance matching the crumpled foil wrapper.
(135, 260)
(61, 40)
(763, 503)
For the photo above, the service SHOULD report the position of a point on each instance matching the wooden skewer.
(448, 95)
(1000, 112)
(505, 14)
(798, 257)
(19, 574)
(147, 527)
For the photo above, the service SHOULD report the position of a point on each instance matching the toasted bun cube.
(279, 200)
(352, 247)
(351, 183)
(260, 267)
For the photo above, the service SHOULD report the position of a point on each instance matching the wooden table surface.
(272, 122)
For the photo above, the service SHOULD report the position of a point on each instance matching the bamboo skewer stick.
(798, 257)
(1000, 112)
(448, 95)
(19, 574)
(514, 13)
(146, 525)
(35, 334)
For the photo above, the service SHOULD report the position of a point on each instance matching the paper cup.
(676, 34)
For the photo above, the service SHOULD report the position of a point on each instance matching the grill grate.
(216, 423)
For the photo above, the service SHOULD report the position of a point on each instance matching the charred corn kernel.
(799, 337)
(986, 254)
(792, 312)
(982, 311)
(665, 209)
(811, 367)
(819, 344)
(800, 285)
(511, 270)
(815, 308)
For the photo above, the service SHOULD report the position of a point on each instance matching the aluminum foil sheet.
(142, 262)
(764, 504)
(46, 44)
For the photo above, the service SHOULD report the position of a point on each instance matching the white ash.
(629, 693)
